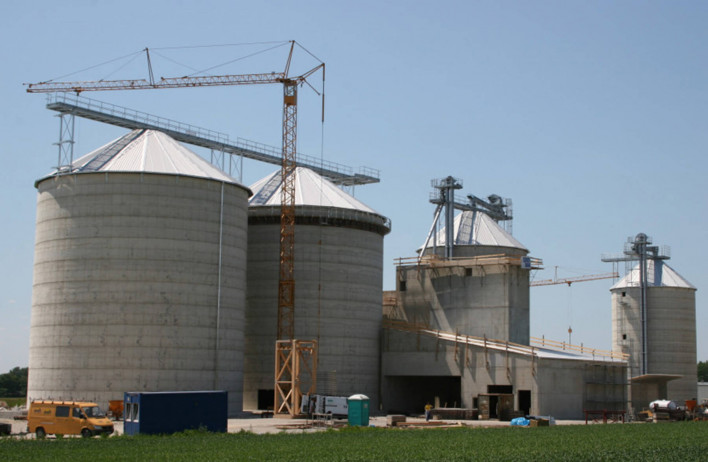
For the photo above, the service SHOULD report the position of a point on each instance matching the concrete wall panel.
(558, 387)
(338, 286)
(127, 294)
(490, 300)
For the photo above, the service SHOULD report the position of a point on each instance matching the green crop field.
(684, 441)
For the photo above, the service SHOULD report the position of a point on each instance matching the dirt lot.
(256, 424)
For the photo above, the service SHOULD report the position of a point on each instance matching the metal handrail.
(433, 259)
(502, 344)
(565, 346)
(111, 113)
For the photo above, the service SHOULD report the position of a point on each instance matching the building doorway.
(266, 399)
(409, 394)
(525, 401)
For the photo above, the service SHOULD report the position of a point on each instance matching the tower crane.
(289, 351)
(569, 281)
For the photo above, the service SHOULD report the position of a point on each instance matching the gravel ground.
(258, 425)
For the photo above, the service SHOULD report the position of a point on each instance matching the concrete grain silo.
(668, 367)
(338, 286)
(482, 291)
(470, 284)
(139, 275)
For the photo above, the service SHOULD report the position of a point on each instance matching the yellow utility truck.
(67, 418)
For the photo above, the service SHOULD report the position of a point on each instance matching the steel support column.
(66, 141)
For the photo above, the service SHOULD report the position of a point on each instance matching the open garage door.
(409, 394)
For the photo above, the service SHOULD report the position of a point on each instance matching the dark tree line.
(14, 383)
(703, 371)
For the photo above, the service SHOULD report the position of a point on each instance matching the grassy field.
(684, 441)
(12, 402)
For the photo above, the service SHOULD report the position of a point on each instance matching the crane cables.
(130, 57)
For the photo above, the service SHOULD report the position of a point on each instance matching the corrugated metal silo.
(338, 286)
(670, 328)
(139, 275)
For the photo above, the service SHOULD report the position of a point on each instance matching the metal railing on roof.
(325, 213)
(504, 345)
(438, 261)
(100, 111)
(568, 347)
(494, 344)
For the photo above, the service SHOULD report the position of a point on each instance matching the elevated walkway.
(131, 119)
(540, 348)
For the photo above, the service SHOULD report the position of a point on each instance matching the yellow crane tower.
(293, 357)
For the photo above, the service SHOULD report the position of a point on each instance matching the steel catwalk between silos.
(139, 285)
(338, 287)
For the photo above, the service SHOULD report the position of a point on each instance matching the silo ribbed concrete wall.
(139, 285)
(338, 287)
(481, 300)
(671, 335)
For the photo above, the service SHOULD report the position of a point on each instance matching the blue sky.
(591, 116)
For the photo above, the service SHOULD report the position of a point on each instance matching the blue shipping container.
(174, 411)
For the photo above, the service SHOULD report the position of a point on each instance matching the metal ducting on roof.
(476, 229)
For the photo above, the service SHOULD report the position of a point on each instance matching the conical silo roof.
(477, 228)
(659, 274)
(338, 252)
(310, 189)
(148, 151)
(150, 241)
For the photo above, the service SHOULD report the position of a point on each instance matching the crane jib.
(171, 82)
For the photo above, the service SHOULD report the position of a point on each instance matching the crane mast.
(292, 357)
(286, 281)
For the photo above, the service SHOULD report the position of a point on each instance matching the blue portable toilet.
(358, 410)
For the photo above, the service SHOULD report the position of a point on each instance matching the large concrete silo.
(471, 282)
(139, 275)
(670, 333)
(338, 286)
(482, 291)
